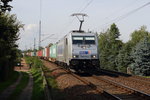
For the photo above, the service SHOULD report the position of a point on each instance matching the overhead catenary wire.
(86, 5)
(120, 10)
(48, 38)
(125, 15)
(80, 11)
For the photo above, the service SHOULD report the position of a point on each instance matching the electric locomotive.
(78, 50)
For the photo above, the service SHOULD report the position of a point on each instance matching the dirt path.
(27, 92)
(7, 92)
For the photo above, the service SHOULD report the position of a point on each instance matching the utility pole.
(26, 47)
(34, 47)
(40, 24)
(39, 34)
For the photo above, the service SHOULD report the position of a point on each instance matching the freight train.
(77, 50)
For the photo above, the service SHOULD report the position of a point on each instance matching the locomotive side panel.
(60, 51)
(68, 48)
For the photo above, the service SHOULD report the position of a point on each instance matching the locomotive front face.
(85, 49)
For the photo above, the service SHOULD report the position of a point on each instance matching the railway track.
(128, 77)
(110, 89)
(94, 87)
(100, 91)
(121, 91)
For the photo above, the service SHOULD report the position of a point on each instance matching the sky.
(56, 19)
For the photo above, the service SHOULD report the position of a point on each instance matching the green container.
(53, 53)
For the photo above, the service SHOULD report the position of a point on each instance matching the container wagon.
(53, 53)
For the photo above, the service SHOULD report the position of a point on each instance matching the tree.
(109, 45)
(141, 58)
(4, 6)
(9, 28)
(103, 49)
(138, 35)
(123, 59)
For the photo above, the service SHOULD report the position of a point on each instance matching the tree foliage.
(4, 6)
(141, 58)
(123, 59)
(116, 55)
(138, 35)
(9, 28)
(109, 45)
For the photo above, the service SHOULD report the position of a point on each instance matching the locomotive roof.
(84, 33)
(77, 32)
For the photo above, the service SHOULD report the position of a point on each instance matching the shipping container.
(43, 52)
(40, 53)
(47, 52)
(53, 53)
(32, 54)
(37, 53)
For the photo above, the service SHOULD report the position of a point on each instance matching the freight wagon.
(53, 53)
(40, 54)
(47, 51)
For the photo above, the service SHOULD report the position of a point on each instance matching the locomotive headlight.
(75, 56)
(93, 56)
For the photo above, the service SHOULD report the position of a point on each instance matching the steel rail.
(125, 75)
(94, 87)
(138, 93)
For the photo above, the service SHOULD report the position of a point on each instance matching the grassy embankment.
(38, 89)
(56, 93)
(147, 76)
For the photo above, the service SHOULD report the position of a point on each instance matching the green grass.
(38, 88)
(147, 76)
(5, 84)
(19, 88)
(55, 91)
(36, 62)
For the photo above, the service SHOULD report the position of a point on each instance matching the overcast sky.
(56, 17)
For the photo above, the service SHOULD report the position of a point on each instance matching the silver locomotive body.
(78, 50)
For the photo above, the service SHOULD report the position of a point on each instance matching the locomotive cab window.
(77, 40)
(89, 40)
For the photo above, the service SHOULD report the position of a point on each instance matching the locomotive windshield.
(83, 39)
(77, 40)
(89, 40)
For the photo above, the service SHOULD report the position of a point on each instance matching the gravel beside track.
(136, 82)
(130, 83)
(73, 88)
(122, 91)
(76, 89)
